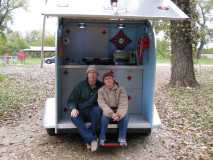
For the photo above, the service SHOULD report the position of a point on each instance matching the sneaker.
(88, 146)
(101, 142)
(123, 142)
(94, 145)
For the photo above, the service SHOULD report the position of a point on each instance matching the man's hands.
(74, 113)
(115, 117)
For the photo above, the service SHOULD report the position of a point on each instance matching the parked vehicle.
(115, 36)
(50, 60)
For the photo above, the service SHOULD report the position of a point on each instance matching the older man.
(83, 107)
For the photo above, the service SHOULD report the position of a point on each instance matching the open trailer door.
(122, 9)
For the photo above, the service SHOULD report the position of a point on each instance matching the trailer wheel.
(147, 132)
(51, 131)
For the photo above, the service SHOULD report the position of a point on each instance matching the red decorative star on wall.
(120, 40)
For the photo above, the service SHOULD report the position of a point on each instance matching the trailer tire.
(147, 132)
(51, 131)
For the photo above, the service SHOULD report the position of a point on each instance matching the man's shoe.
(101, 142)
(94, 145)
(122, 142)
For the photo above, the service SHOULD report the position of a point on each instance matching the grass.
(7, 97)
(28, 61)
(1, 63)
(23, 93)
(13, 95)
(161, 60)
(192, 111)
(32, 61)
(204, 61)
(2, 77)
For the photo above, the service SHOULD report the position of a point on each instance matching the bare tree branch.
(203, 16)
(6, 8)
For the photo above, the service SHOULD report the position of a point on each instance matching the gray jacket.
(113, 100)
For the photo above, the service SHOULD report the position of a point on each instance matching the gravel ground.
(22, 136)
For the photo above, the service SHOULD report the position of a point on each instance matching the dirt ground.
(22, 136)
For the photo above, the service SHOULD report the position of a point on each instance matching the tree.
(34, 39)
(15, 42)
(49, 40)
(201, 17)
(205, 34)
(12, 43)
(182, 71)
(6, 9)
(163, 49)
(3, 41)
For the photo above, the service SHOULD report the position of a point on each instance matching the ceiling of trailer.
(102, 9)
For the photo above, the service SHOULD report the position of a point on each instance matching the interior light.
(121, 26)
(82, 25)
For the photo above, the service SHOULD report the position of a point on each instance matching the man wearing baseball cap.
(83, 106)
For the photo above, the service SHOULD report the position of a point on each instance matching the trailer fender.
(49, 116)
(156, 122)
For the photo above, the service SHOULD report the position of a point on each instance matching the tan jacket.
(115, 98)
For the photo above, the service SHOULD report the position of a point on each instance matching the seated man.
(83, 105)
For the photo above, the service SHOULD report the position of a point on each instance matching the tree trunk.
(200, 48)
(182, 71)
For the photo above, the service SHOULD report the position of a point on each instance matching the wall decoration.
(143, 43)
(120, 40)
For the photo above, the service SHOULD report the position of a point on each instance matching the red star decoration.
(120, 40)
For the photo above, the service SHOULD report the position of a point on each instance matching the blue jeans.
(93, 115)
(122, 126)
